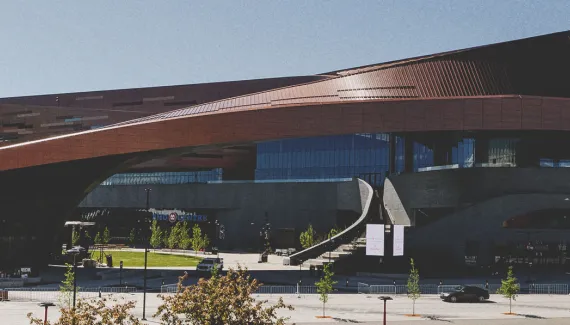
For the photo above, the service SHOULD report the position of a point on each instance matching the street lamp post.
(384, 298)
(46, 305)
(330, 249)
(74, 252)
(147, 190)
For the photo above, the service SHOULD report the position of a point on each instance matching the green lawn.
(134, 259)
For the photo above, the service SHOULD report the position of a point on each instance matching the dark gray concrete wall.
(237, 205)
(483, 223)
(465, 186)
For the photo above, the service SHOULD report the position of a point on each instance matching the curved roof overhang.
(234, 126)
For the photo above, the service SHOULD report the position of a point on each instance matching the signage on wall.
(177, 216)
(375, 240)
(398, 240)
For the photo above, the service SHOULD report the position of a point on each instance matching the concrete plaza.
(366, 309)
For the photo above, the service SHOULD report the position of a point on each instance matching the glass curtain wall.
(342, 156)
(423, 156)
(462, 154)
(503, 151)
(400, 148)
(165, 178)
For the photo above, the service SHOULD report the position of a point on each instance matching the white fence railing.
(265, 289)
(548, 289)
(429, 289)
(53, 294)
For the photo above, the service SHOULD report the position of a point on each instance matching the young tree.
(205, 241)
(98, 240)
(156, 235)
(185, 240)
(509, 288)
(132, 237)
(198, 241)
(307, 238)
(174, 237)
(106, 236)
(74, 237)
(65, 296)
(101, 311)
(224, 300)
(334, 231)
(325, 285)
(413, 285)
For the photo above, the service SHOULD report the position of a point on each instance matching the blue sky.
(65, 46)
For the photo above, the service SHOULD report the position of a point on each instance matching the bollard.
(99, 292)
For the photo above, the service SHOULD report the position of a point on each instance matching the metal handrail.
(344, 237)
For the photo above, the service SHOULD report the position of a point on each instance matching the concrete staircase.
(337, 254)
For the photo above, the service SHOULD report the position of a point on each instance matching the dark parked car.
(466, 293)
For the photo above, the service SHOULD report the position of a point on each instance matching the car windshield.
(459, 289)
(207, 262)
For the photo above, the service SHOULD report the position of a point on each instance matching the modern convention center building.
(468, 149)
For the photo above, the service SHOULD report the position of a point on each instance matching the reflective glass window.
(344, 156)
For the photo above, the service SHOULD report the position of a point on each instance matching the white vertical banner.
(398, 240)
(375, 240)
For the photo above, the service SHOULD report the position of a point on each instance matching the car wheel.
(453, 299)
(480, 299)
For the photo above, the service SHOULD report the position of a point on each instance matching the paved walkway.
(354, 308)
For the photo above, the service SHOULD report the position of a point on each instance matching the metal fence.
(54, 295)
(169, 288)
(429, 289)
(363, 288)
(262, 290)
(548, 289)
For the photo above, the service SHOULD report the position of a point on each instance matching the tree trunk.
(510, 304)
(323, 309)
(414, 308)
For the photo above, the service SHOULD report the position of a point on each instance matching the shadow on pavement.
(531, 316)
(344, 320)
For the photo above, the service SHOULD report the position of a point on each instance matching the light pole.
(330, 249)
(147, 190)
(384, 298)
(46, 305)
(74, 252)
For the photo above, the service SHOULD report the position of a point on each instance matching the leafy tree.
(106, 236)
(65, 296)
(174, 237)
(132, 236)
(325, 285)
(156, 236)
(74, 237)
(334, 231)
(100, 311)
(509, 288)
(224, 300)
(165, 237)
(413, 285)
(88, 237)
(198, 241)
(307, 238)
(185, 240)
(98, 240)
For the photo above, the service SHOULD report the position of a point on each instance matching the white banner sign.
(398, 240)
(375, 240)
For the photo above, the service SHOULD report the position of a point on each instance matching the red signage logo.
(172, 217)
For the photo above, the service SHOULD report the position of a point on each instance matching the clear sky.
(69, 45)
